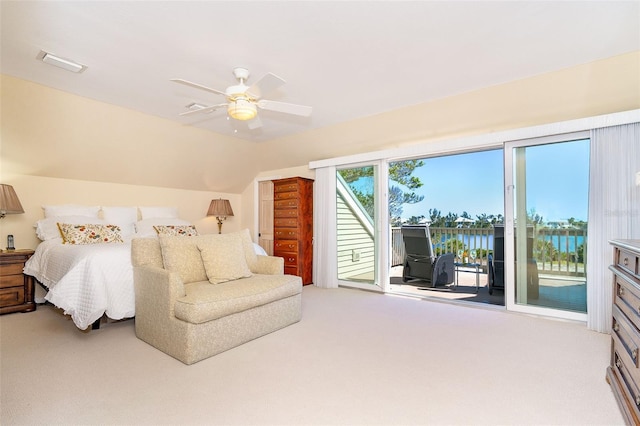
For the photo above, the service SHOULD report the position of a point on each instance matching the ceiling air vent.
(59, 62)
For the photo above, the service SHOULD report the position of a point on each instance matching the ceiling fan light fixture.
(242, 109)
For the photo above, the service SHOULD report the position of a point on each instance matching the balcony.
(559, 255)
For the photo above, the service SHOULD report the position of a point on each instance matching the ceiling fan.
(242, 101)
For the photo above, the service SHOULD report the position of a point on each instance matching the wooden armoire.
(293, 225)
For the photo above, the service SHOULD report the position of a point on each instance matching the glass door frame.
(382, 239)
(509, 212)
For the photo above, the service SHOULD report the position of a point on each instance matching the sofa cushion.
(181, 255)
(224, 258)
(205, 302)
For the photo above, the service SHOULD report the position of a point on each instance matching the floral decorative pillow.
(176, 230)
(89, 233)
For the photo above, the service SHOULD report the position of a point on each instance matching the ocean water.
(560, 242)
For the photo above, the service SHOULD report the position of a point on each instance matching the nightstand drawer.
(12, 296)
(11, 269)
(11, 281)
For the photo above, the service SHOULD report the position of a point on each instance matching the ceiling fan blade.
(304, 111)
(256, 123)
(197, 86)
(268, 83)
(205, 109)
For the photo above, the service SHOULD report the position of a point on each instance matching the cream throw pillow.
(181, 255)
(249, 251)
(224, 258)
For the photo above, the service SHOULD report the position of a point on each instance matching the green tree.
(401, 173)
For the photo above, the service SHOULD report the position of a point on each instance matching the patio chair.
(420, 261)
(496, 264)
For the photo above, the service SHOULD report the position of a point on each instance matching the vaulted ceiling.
(351, 61)
(345, 59)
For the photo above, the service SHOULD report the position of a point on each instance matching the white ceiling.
(345, 59)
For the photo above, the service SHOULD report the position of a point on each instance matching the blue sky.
(557, 182)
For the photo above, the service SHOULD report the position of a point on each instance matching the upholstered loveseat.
(198, 296)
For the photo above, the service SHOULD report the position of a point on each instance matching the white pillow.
(47, 229)
(144, 227)
(70, 210)
(124, 217)
(153, 212)
(259, 250)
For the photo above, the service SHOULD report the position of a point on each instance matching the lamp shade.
(220, 208)
(9, 202)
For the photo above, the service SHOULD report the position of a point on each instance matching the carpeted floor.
(355, 358)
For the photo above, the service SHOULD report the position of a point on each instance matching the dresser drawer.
(285, 234)
(12, 296)
(285, 223)
(11, 269)
(284, 195)
(627, 261)
(286, 187)
(286, 203)
(11, 281)
(290, 259)
(280, 213)
(627, 298)
(629, 386)
(290, 270)
(626, 341)
(285, 246)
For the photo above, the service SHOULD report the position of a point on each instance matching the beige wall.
(35, 191)
(59, 148)
(47, 132)
(601, 87)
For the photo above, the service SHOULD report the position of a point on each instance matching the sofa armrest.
(269, 265)
(156, 290)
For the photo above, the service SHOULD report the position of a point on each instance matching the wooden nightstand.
(16, 289)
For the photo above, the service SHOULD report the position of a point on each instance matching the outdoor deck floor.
(559, 292)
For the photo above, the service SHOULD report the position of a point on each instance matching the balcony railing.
(557, 251)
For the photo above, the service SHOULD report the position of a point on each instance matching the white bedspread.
(86, 281)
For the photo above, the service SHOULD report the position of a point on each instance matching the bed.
(89, 278)
(86, 281)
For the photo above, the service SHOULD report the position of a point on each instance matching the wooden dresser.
(624, 372)
(293, 225)
(16, 289)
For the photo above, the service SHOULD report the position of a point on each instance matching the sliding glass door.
(546, 223)
(359, 198)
